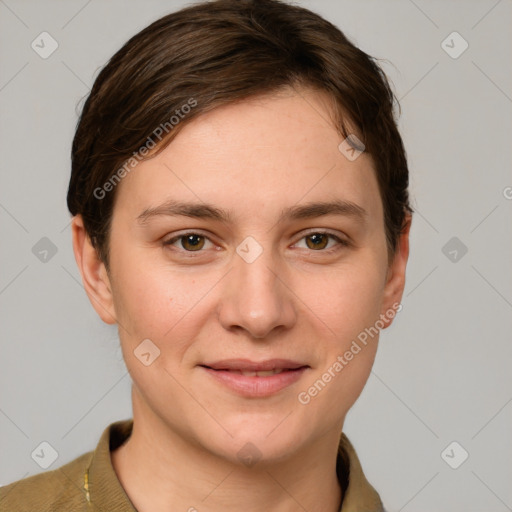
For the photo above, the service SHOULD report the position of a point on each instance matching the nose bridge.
(257, 299)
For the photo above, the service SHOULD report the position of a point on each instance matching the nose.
(256, 298)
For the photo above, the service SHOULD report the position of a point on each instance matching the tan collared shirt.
(89, 482)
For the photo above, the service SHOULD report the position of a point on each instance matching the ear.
(94, 274)
(395, 281)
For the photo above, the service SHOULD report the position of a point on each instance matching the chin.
(257, 438)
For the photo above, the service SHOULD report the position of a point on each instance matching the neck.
(160, 471)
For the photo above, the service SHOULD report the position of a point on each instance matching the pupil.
(316, 240)
(192, 242)
(192, 237)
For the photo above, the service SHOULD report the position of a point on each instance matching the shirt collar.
(105, 489)
(106, 492)
(358, 494)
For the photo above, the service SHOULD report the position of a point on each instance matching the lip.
(228, 373)
(247, 365)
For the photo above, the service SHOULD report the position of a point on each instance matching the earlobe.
(395, 283)
(94, 274)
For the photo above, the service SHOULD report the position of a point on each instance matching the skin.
(253, 159)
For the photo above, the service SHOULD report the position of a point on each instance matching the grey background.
(442, 373)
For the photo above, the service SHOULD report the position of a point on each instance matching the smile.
(255, 379)
(264, 373)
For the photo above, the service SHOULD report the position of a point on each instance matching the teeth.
(266, 373)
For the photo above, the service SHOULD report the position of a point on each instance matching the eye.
(319, 241)
(190, 242)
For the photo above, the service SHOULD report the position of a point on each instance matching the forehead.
(247, 156)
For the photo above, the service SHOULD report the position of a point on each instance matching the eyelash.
(341, 243)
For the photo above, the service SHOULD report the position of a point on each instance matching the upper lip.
(254, 366)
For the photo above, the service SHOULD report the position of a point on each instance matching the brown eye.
(192, 242)
(322, 242)
(189, 242)
(317, 241)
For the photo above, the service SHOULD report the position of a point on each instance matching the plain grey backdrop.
(433, 425)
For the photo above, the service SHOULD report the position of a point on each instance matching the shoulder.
(61, 489)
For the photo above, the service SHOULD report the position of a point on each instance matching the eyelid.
(344, 242)
(322, 231)
(175, 237)
(341, 241)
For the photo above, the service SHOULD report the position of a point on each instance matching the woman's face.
(251, 244)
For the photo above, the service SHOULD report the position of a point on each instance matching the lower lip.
(256, 387)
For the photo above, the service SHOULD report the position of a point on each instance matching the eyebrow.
(315, 209)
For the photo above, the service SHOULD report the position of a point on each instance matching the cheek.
(144, 303)
(347, 300)
(346, 307)
(347, 311)
(159, 303)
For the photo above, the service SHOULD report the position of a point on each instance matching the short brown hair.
(217, 53)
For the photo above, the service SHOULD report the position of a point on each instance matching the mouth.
(261, 373)
(255, 379)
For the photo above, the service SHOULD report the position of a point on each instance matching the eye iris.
(192, 242)
(196, 242)
(318, 240)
